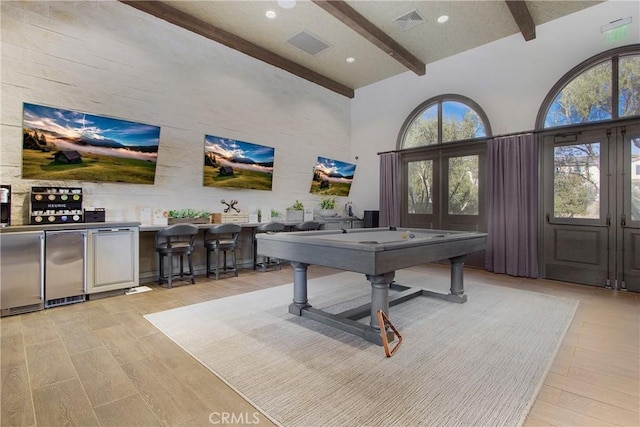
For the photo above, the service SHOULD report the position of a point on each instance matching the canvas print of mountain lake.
(237, 164)
(332, 177)
(69, 145)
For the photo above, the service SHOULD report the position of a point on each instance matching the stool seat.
(307, 226)
(222, 238)
(266, 263)
(175, 241)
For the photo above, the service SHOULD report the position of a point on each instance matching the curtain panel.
(390, 190)
(512, 194)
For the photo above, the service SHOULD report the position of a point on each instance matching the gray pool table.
(377, 253)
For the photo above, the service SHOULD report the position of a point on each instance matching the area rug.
(475, 364)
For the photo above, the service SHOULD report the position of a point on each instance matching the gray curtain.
(512, 194)
(389, 190)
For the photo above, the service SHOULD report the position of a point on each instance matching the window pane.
(587, 98)
(424, 129)
(576, 181)
(635, 179)
(629, 86)
(459, 121)
(421, 187)
(463, 185)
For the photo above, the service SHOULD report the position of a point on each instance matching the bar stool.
(269, 227)
(175, 240)
(222, 238)
(307, 226)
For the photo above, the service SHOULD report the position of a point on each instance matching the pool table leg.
(457, 282)
(379, 301)
(300, 300)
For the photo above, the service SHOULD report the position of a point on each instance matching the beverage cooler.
(64, 279)
(21, 272)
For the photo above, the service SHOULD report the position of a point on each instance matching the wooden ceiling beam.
(522, 16)
(177, 17)
(351, 18)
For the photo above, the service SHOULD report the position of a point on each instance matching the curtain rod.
(562, 131)
(466, 140)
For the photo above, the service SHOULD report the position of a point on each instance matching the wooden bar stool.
(222, 238)
(269, 227)
(175, 240)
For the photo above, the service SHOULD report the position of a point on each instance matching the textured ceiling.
(471, 24)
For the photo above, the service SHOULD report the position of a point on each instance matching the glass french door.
(591, 204)
(443, 189)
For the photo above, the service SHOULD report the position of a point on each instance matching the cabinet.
(21, 272)
(112, 259)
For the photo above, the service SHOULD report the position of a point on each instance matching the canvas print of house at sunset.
(237, 164)
(332, 177)
(69, 145)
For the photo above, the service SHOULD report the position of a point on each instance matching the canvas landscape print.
(69, 145)
(237, 164)
(332, 177)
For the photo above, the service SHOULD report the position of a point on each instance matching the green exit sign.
(617, 34)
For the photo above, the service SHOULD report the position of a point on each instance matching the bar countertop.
(70, 226)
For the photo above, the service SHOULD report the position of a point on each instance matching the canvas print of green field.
(237, 164)
(332, 177)
(69, 145)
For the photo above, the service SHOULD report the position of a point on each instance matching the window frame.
(613, 56)
(439, 99)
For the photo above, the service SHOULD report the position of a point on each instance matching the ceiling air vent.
(409, 20)
(309, 43)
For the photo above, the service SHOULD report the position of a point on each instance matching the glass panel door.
(591, 203)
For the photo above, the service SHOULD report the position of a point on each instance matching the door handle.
(608, 220)
(548, 218)
(623, 221)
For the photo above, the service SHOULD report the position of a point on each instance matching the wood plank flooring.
(101, 363)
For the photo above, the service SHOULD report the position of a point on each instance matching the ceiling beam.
(191, 23)
(351, 18)
(522, 16)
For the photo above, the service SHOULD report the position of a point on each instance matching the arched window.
(444, 118)
(604, 87)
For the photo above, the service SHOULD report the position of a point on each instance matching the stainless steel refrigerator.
(21, 272)
(64, 281)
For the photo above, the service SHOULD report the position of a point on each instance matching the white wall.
(508, 78)
(107, 58)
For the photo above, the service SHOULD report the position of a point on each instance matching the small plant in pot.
(327, 206)
(295, 212)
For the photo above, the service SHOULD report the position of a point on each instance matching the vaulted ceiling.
(313, 38)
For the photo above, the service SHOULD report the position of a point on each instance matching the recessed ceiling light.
(442, 19)
(351, 59)
(270, 14)
(287, 4)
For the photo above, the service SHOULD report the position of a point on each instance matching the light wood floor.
(101, 363)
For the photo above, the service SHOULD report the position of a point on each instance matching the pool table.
(377, 253)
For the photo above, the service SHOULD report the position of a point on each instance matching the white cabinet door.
(112, 259)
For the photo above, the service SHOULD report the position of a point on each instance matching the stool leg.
(161, 258)
(170, 277)
(193, 278)
(181, 266)
(208, 262)
(217, 264)
(235, 261)
(224, 259)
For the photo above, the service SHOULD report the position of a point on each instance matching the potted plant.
(295, 212)
(327, 205)
(190, 216)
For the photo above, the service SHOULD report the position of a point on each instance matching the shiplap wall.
(107, 58)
